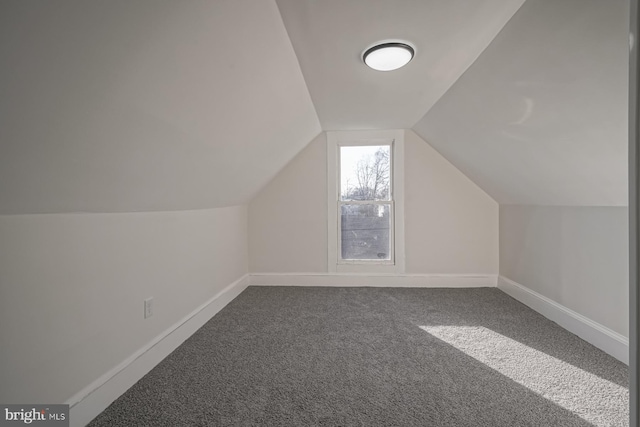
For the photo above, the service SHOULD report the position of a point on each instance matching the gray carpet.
(294, 356)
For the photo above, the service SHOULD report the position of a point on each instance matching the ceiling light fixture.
(388, 56)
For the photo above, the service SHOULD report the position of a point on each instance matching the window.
(365, 206)
(365, 201)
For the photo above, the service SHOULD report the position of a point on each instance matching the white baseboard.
(594, 333)
(375, 280)
(95, 398)
(92, 400)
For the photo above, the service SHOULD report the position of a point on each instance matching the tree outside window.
(365, 207)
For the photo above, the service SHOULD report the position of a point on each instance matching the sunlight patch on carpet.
(587, 395)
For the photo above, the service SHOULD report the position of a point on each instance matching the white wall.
(451, 225)
(72, 288)
(288, 218)
(576, 256)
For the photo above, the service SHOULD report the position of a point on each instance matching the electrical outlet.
(148, 307)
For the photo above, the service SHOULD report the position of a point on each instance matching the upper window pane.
(365, 172)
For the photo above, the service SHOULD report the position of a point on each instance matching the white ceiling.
(329, 37)
(146, 105)
(541, 117)
(163, 105)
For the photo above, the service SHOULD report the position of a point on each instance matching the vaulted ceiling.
(541, 116)
(329, 37)
(162, 105)
(145, 105)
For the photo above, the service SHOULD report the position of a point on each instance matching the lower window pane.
(365, 232)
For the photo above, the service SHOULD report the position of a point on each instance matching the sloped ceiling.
(541, 116)
(329, 37)
(123, 105)
(163, 105)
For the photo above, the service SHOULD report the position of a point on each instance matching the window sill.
(370, 267)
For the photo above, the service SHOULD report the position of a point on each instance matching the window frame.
(394, 139)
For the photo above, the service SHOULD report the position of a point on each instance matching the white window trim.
(374, 137)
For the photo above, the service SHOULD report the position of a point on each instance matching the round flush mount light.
(388, 56)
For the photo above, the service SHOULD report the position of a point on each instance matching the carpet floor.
(307, 356)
